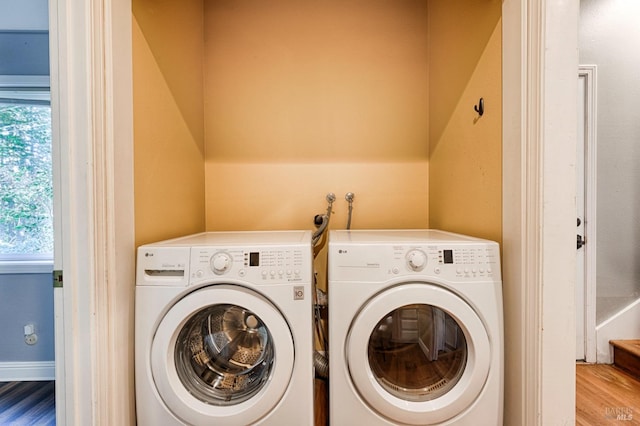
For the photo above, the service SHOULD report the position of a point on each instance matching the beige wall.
(168, 119)
(465, 178)
(292, 100)
(306, 98)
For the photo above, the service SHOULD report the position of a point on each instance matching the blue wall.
(25, 299)
(24, 52)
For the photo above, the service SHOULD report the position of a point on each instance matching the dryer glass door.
(417, 352)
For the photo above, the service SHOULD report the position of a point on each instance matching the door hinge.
(57, 279)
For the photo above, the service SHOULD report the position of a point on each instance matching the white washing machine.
(415, 329)
(224, 331)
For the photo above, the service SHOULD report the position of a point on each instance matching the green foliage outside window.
(26, 192)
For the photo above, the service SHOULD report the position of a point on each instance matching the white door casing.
(539, 63)
(580, 235)
(586, 346)
(91, 100)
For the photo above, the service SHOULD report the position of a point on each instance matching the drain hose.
(321, 364)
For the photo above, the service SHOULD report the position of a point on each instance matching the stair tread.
(631, 346)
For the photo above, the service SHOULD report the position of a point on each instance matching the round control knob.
(220, 263)
(417, 260)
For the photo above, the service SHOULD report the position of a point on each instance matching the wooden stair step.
(626, 355)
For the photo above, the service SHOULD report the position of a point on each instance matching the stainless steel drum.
(224, 354)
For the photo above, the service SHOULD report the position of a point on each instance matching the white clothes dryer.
(415, 329)
(224, 331)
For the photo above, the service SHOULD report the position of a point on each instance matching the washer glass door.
(222, 354)
(418, 354)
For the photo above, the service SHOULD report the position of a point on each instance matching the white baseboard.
(27, 371)
(623, 325)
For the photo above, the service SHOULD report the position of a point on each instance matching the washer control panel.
(268, 265)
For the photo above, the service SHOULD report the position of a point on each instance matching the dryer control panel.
(452, 262)
(268, 265)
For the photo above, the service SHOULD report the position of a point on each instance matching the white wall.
(24, 15)
(608, 37)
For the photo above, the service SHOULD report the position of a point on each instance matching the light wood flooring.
(321, 405)
(606, 395)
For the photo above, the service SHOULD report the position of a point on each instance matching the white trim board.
(623, 325)
(26, 267)
(589, 73)
(27, 371)
(92, 123)
(539, 71)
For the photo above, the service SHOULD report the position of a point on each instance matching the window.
(26, 184)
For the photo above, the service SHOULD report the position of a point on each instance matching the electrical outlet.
(30, 336)
(31, 339)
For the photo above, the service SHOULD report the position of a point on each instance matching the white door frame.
(587, 77)
(91, 86)
(540, 59)
(91, 89)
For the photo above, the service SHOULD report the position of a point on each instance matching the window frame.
(11, 263)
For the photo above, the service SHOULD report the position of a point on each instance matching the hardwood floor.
(27, 403)
(321, 403)
(606, 395)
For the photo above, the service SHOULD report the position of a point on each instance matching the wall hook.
(480, 107)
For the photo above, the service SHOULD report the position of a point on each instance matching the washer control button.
(221, 263)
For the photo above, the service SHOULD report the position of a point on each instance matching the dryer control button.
(417, 260)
